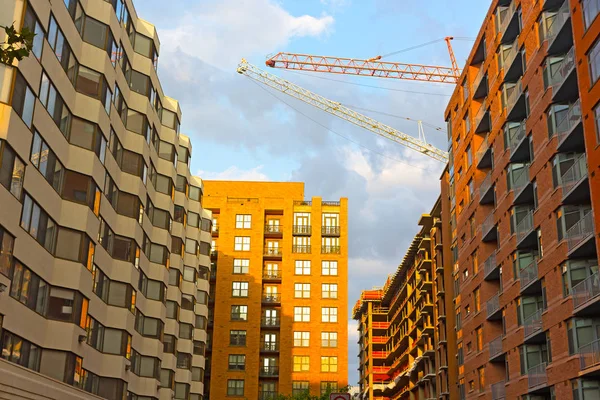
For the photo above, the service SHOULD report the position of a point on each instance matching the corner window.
(594, 62)
(12, 170)
(23, 99)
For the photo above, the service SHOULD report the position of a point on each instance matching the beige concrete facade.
(104, 244)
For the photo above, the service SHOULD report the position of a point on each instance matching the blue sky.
(242, 131)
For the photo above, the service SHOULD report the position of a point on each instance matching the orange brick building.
(278, 301)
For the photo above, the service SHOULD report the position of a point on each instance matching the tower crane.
(342, 111)
(371, 67)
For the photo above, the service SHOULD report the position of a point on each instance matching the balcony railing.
(525, 226)
(273, 229)
(508, 14)
(301, 249)
(566, 65)
(268, 395)
(478, 78)
(586, 290)
(574, 175)
(568, 121)
(269, 322)
(498, 391)
(268, 371)
(481, 113)
(485, 185)
(510, 56)
(271, 298)
(533, 323)
(589, 355)
(580, 232)
(493, 305)
(488, 224)
(271, 274)
(301, 229)
(213, 251)
(559, 20)
(482, 150)
(529, 274)
(536, 376)
(519, 179)
(330, 249)
(516, 136)
(269, 346)
(330, 230)
(302, 203)
(496, 347)
(330, 203)
(515, 92)
(490, 264)
(273, 251)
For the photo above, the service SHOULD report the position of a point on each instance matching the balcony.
(330, 249)
(273, 230)
(559, 34)
(532, 328)
(551, 4)
(530, 282)
(509, 23)
(586, 295)
(589, 355)
(525, 233)
(214, 252)
(268, 371)
(330, 231)
(482, 118)
(269, 347)
(575, 183)
(569, 130)
(213, 274)
(580, 238)
(271, 298)
(489, 233)
(272, 252)
(480, 84)
(521, 185)
(564, 80)
(499, 391)
(484, 155)
(491, 269)
(303, 203)
(512, 62)
(215, 231)
(271, 275)
(301, 249)
(270, 322)
(537, 377)
(495, 350)
(486, 194)
(302, 230)
(514, 99)
(268, 395)
(518, 141)
(493, 307)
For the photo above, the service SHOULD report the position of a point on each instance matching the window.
(299, 387)
(184, 155)
(167, 378)
(581, 332)
(156, 253)
(7, 242)
(197, 374)
(235, 387)
(240, 289)
(301, 339)
(93, 84)
(191, 246)
(166, 151)
(189, 274)
(239, 313)
(174, 277)
(476, 300)
(12, 170)
(184, 360)
(302, 267)
(568, 216)
(114, 293)
(182, 391)
(148, 327)
(329, 387)
(242, 243)
(329, 314)
(195, 193)
(597, 122)
(237, 338)
(329, 290)
(590, 11)
(23, 99)
(66, 305)
(55, 105)
(20, 351)
(188, 302)
(193, 219)
(108, 340)
(302, 290)
(575, 272)
(205, 248)
(39, 225)
(186, 331)
(29, 289)
(243, 221)
(34, 26)
(202, 296)
(301, 363)
(170, 344)
(459, 354)
(241, 266)
(594, 62)
(329, 339)
(301, 314)
(329, 268)
(329, 364)
(479, 338)
(237, 362)
(330, 245)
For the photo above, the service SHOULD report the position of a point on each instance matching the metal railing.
(559, 20)
(582, 230)
(533, 323)
(273, 229)
(271, 274)
(562, 71)
(519, 178)
(330, 203)
(270, 321)
(575, 174)
(490, 264)
(493, 305)
(529, 274)
(480, 114)
(478, 78)
(273, 251)
(508, 14)
(509, 57)
(269, 346)
(488, 224)
(330, 249)
(301, 249)
(589, 354)
(536, 376)
(301, 229)
(302, 202)
(515, 138)
(268, 371)
(482, 149)
(271, 298)
(268, 395)
(486, 184)
(496, 346)
(515, 92)
(586, 290)
(525, 226)
(499, 391)
(568, 121)
(330, 230)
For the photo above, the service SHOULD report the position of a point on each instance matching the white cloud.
(234, 173)
(221, 32)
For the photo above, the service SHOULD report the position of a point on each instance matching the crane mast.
(341, 111)
(372, 67)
